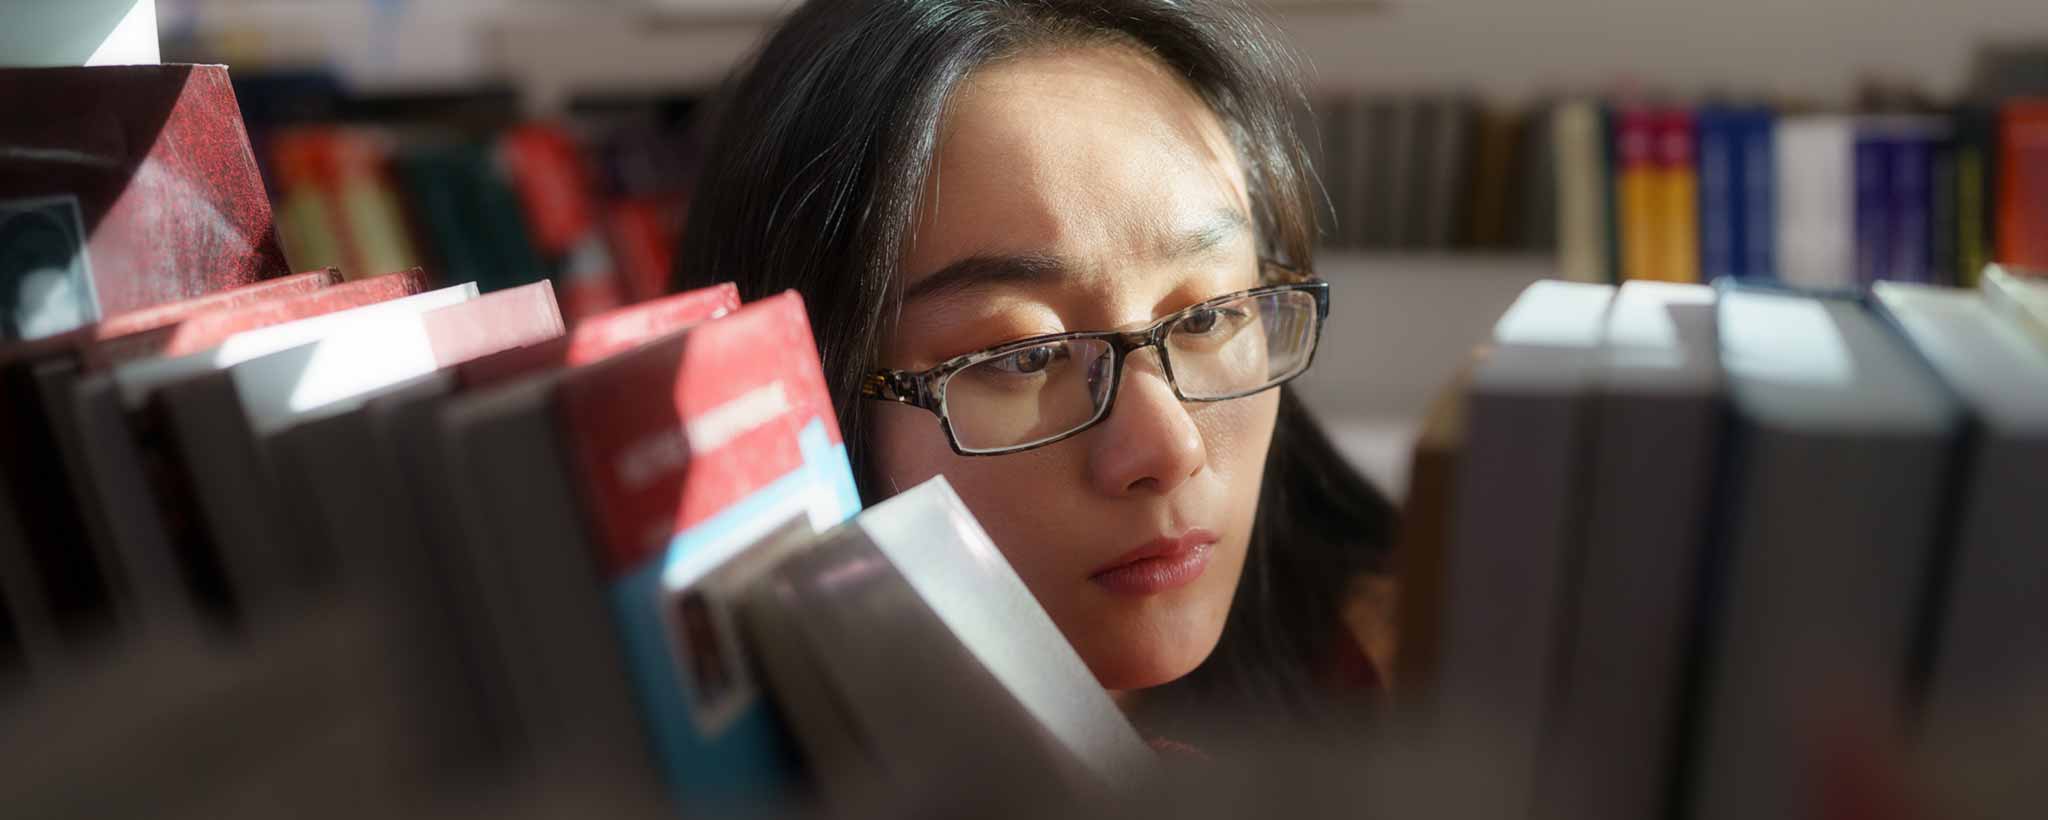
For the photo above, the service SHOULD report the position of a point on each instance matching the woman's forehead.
(1097, 155)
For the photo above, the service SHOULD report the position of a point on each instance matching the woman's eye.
(1209, 320)
(1030, 360)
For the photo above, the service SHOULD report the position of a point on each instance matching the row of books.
(1430, 173)
(1689, 193)
(464, 185)
(275, 544)
(394, 539)
(1711, 551)
(503, 209)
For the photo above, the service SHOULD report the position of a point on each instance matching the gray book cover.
(1839, 447)
(1507, 577)
(1655, 427)
(1981, 715)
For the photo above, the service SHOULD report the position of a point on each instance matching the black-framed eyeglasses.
(1033, 392)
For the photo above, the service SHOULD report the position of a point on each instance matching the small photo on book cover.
(700, 610)
(45, 276)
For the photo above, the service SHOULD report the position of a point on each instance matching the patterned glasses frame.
(927, 388)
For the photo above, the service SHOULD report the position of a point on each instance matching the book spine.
(1758, 194)
(1582, 192)
(1944, 227)
(1636, 199)
(1873, 204)
(1815, 193)
(1912, 194)
(365, 195)
(1720, 202)
(2023, 185)
(1677, 191)
(1974, 201)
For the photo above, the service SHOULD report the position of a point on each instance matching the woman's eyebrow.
(1026, 269)
(985, 270)
(1222, 226)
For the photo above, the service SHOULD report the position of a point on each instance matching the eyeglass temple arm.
(896, 386)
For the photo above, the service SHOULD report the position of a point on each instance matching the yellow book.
(1678, 192)
(1636, 195)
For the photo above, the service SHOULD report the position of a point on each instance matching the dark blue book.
(1757, 205)
(1871, 198)
(1912, 206)
(1720, 192)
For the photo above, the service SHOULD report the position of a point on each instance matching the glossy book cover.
(688, 451)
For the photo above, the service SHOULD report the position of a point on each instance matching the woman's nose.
(1149, 443)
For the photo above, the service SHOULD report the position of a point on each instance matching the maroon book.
(129, 186)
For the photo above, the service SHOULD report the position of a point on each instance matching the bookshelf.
(1402, 324)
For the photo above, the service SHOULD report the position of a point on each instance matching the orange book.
(1677, 189)
(2023, 185)
(1636, 193)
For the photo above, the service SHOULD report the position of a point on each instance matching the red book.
(644, 231)
(683, 453)
(554, 186)
(427, 511)
(605, 334)
(736, 394)
(2023, 185)
(129, 186)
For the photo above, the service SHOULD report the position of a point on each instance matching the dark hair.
(812, 182)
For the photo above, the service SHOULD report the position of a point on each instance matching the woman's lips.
(1158, 565)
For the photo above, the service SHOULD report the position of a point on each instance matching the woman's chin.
(1147, 661)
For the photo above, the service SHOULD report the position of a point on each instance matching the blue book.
(597, 505)
(1912, 202)
(1757, 202)
(1872, 202)
(1720, 192)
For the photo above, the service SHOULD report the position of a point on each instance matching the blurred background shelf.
(1819, 51)
(1378, 366)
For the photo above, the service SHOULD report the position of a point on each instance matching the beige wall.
(1510, 49)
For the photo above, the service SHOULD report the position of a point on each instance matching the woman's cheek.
(1006, 494)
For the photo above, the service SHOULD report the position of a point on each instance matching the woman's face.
(1090, 189)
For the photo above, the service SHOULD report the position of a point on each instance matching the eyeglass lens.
(1034, 394)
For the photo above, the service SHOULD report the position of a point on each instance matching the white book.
(1513, 536)
(1650, 469)
(2022, 300)
(1582, 192)
(1839, 447)
(1816, 201)
(1981, 721)
(139, 378)
(911, 660)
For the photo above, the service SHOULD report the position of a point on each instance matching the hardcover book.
(1840, 441)
(130, 186)
(916, 666)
